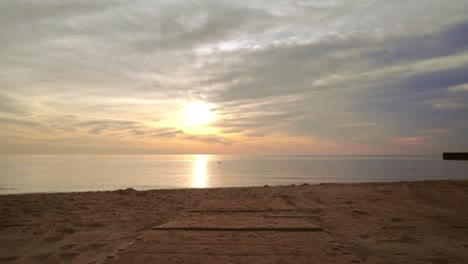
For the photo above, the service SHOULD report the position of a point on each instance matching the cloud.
(435, 80)
(17, 122)
(447, 41)
(167, 133)
(99, 126)
(413, 141)
(332, 105)
(351, 72)
(459, 88)
(209, 139)
(9, 105)
(448, 103)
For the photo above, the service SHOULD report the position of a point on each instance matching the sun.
(198, 113)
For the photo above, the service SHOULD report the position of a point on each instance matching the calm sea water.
(26, 174)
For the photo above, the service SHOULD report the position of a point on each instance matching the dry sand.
(417, 222)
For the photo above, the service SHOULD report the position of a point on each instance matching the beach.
(403, 222)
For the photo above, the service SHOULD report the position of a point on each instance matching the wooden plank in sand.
(236, 223)
(184, 247)
(227, 235)
(243, 205)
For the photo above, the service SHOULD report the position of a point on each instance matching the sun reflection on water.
(199, 177)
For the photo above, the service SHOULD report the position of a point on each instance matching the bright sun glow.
(199, 113)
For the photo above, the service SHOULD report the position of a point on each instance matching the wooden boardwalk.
(234, 231)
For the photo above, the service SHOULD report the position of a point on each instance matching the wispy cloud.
(363, 76)
(413, 141)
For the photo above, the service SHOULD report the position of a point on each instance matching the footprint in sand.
(360, 212)
(67, 256)
(53, 239)
(438, 260)
(41, 257)
(8, 259)
(67, 247)
(92, 247)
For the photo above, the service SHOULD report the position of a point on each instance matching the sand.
(408, 222)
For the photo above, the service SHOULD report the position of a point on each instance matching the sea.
(79, 173)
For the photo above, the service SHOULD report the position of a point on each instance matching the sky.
(242, 77)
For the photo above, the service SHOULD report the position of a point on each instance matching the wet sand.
(415, 222)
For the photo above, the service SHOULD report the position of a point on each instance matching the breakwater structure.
(455, 155)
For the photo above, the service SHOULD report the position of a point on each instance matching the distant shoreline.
(238, 187)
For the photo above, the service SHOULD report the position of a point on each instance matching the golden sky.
(253, 77)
